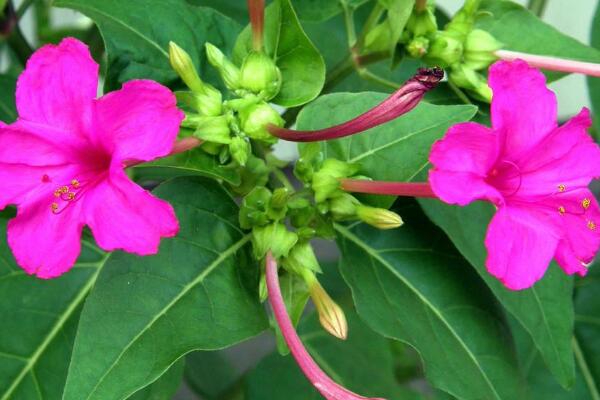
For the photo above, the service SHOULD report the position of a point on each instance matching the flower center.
(506, 177)
(65, 195)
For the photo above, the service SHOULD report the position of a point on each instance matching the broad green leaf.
(409, 284)
(236, 9)
(144, 313)
(321, 10)
(520, 30)
(210, 374)
(190, 163)
(165, 387)
(137, 34)
(363, 363)
(302, 67)
(39, 322)
(8, 111)
(396, 151)
(594, 82)
(398, 12)
(545, 310)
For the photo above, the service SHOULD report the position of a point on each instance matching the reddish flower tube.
(412, 189)
(256, 10)
(551, 63)
(323, 383)
(400, 102)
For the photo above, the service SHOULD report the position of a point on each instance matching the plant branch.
(537, 7)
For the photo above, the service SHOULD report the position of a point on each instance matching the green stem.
(370, 23)
(585, 371)
(537, 6)
(368, 75)
(23, 8)
(19, 45)
(283, 179)
(349, 23)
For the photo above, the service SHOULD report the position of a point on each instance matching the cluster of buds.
(226, 127)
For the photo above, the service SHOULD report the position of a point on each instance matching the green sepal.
(274, 237)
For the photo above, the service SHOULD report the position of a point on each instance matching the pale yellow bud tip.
(331, 315)
(378, 217)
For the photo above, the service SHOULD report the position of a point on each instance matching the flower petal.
(466, 147)
(462, 187)
(523, 108)
(568, 158)
(124, 216)
(138, 122)
(19, 146)
(58, 86)
(520, 247)
(45, 244)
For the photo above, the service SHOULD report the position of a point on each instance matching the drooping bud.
(326, 182)
(445, 50)
(260, 75)
(479, 49)
(471, 80)
(343, 206)
(275, 237)
(230, 74)
(331, 315)
(240, 150)
(209, 129)
(400, 102)
(378, 217)
(255, 119)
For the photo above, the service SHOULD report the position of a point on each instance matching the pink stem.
(551, 63)
(180, 146)
(400, 102)
(256, 10)
(323, 383)
(412, 189)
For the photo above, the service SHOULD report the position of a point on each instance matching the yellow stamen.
(561, 210)
(585, 203)
(562, 188)
(64, 189)
(75, 183)
(70, 196)
(57, 193)
(591, 225)
(54, 207)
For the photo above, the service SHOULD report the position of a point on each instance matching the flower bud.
(208, 104)
(444, 50)
(182, 64)
(230, 73)
(210, 129)
(253, 210)
(422, 23)
(325, 182)
(479, 49)
(471, 80)
(278, 204)
(255, 119)
(301, 258)
(343, 206)
(240, 150)
(274, 237)
(378, 217)
(418, 47)
(463, 21)
(331, 315)
(260, 75)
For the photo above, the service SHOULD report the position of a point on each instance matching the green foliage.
(410, 285)
(160, 307)
(165, 387)
(8, 112)
(302, 67)
(594, 82)
(137, 34)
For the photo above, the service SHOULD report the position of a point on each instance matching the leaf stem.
(349, 23)
(585, 371)
(537, 7)
(23, 8)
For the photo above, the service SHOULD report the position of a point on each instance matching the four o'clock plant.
(202, 262)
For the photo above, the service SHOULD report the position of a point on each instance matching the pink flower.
(62, 163)
(535, 172)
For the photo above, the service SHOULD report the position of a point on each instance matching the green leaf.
(165, 387)
(198, 292)
(302, 67)
(410, 284)
(545, 310)
(321, 10)
(520, 30)
(363, 363)
(39, 322)
(137, 34)
(398, 12)
(396, 151)
(8, 110)
(594, 82)
(210, 374)
(190, 163)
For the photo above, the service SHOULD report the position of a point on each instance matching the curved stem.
(411, 189)
(551, 63)
(323, 383)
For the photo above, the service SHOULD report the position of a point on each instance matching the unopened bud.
(343, 206)
(240, 150)
(253, 210)
(301, 258)
(230, 74)
(472, 81)
(463, 21)
(325, 182)
(479, 49)
(210, 129)
(331, 315)
(183, 65)
(274, 237)
(378, 217)
(255, 119)
(260, 75)
(422, 23)
(446, 49)
(418, 47)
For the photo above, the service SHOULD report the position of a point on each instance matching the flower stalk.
(323, 383)
(256, 10)
(551, 63)
(400, 102)
(411, 189)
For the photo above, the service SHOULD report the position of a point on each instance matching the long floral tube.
(323, 383)
(412, 189)
(551, 63)
(400, 102)
(256, 11)
(180, 146)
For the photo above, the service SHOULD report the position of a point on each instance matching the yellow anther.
(70, 196)
(57, 193)
(75, 183)
(54, 207)
(585, 203)
(562, 188)
(591, 225)
(561, 210)
(64, 189)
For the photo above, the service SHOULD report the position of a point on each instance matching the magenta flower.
(62, 163)
(535, 172)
